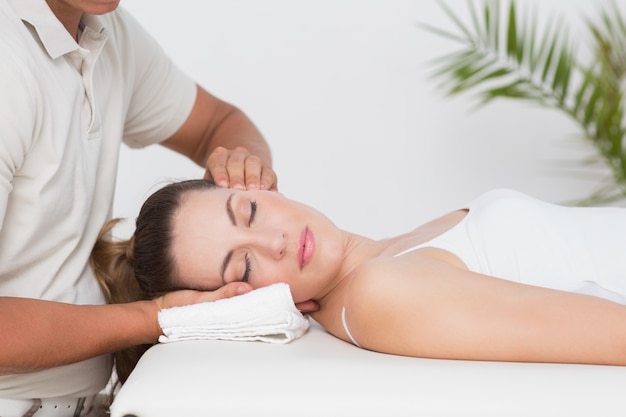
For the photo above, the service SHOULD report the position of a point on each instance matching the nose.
(273, 243)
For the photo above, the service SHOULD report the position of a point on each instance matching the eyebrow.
(229, 255)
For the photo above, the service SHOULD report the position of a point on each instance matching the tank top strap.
(345, 326)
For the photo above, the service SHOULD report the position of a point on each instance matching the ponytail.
(112, 263)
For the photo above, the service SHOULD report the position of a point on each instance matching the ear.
(310, 306)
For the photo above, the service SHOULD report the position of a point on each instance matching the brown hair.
(142, 267)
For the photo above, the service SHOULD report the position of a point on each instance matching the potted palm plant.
(505, 54)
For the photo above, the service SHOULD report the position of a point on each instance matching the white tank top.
(510, 235)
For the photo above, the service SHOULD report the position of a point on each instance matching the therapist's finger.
(309, 306)
(269, 180)
(216, 167)
(252, 167)
(236, 168)
(229, 290)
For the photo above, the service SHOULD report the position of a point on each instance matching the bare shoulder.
(384, 295)
(386, 274)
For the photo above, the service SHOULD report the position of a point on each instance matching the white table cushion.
(319, 375)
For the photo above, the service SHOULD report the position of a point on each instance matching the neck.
(69, 16)
(358, 250)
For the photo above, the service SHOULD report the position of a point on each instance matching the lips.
(306, 248)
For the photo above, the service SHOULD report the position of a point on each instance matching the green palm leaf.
(520, 61)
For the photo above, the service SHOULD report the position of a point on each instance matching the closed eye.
(246, 274)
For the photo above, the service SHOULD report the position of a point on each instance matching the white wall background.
(341, 91)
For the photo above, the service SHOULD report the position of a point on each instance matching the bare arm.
(39, 334)
(441, 311)
(220, 137)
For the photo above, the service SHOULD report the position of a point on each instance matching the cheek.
(268, 274)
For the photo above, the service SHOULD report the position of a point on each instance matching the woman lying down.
(507, 278)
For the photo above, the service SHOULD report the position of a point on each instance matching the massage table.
(319, 375)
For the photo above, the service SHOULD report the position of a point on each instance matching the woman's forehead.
(199, 229)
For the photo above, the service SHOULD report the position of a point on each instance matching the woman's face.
(225, 235)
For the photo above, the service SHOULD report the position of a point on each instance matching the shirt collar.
(53, 36)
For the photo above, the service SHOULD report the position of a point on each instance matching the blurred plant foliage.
(505, 54)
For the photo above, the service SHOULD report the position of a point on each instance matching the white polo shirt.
(64, 110)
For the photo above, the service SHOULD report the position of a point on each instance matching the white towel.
(267, 314)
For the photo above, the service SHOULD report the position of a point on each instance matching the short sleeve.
(162, 94)
(17, 121)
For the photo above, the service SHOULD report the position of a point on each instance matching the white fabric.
(320, 375)
(64, 110)
(513, 236)
(46, 407)
(266, 314)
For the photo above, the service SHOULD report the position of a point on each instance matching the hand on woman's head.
(186, 297)
(239, 169)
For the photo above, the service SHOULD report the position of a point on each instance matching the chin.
(297, 298)
(103, 8)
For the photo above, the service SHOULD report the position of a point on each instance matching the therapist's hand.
(232, 289)
(239, 169)
(186, 297)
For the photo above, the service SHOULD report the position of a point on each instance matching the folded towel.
(267, 314)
